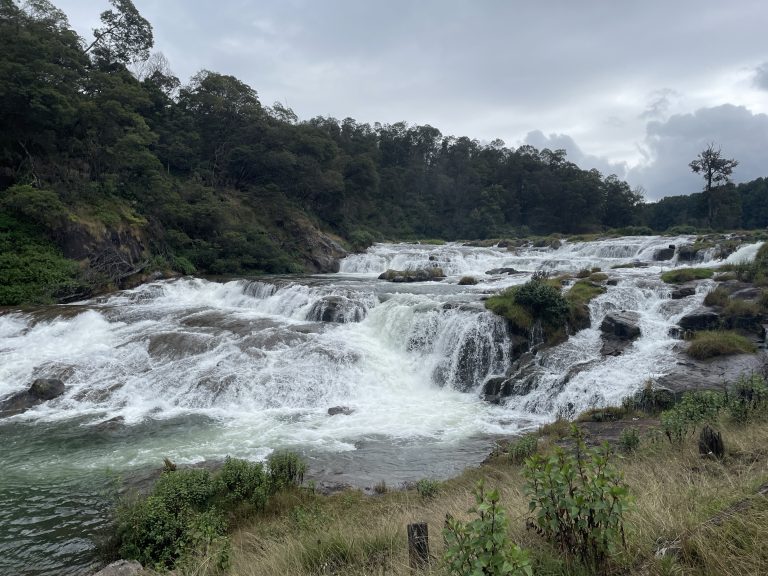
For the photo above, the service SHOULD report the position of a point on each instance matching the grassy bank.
(708, 511)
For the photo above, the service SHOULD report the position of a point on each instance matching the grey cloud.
(672, 144)
(761, 76)
(660, 101)
(574, 153)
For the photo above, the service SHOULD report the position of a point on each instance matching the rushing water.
(196, 370)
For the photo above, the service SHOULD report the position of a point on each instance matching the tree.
(125, 37)
(716, 171)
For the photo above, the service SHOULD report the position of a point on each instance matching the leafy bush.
(187, 513)
(543, 300)
(481, 546)
(427, 488)
(681, 421)
(629, 439)
(33, 271)
(523, 448)
(579, 500)
(285, 469)
(748, 399)
(682, 275)
(719, 343)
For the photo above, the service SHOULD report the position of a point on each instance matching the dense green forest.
(107, 159)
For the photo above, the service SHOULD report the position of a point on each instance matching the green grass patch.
(504, 304)
(717, 297)
(682, 275)
(719, 343)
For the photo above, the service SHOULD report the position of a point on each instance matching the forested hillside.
(107, 159)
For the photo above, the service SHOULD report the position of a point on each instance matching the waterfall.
(193, 369)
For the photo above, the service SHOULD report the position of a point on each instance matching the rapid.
(196, 370)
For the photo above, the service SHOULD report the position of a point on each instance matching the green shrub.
(285, 469)
(719, 343)
(682, 275)
(482, 546)
(244, 482)
(427, 488)
(695, 408)
(629, 439)
(32, 269)
(748, 399)
(543, 301)
(579, 501)
(523, 448)
(187, 513)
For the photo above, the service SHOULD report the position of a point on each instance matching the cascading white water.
(197, 370)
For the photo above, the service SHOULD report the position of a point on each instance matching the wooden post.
(418, 545)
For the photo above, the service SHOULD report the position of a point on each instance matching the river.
(195, 370)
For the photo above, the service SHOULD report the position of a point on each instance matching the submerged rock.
(41, 390)
(343, 410)
(507, 271)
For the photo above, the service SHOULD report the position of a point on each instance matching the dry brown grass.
(675, 493)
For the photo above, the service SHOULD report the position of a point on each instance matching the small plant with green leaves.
(427, 488)
(748, 399)
(482, 546)
(629, 439)
(695, 408)
(579, 500)
(522, 448)
(285, 469)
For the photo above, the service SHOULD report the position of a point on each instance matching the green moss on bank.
(682, 275)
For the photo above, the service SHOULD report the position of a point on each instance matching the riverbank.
(691, 514)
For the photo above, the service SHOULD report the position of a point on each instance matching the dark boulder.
(683, 291)
(417, 275)
(46, 388)
(664, 253)
(497, 388)
(343, 410)
(622, 325)
(612, 282)
(619, 329)
(700, 319)
(42, 390)
(687, 253)
(711, 442)
(507, 271)
(336, 309)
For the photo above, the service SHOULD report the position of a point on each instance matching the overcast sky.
(632, 88)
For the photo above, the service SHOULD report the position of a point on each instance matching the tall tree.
(125, 36)
(716, 171)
